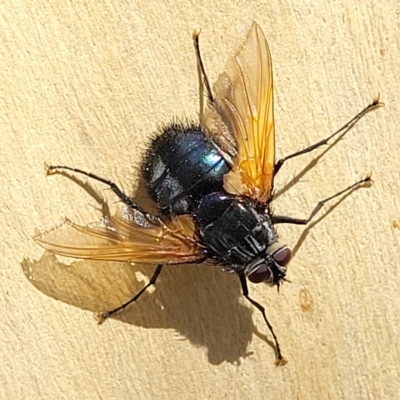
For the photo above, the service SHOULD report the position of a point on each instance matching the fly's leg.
(129, 202)
(375, 104)
(280, 360)
(105, 315)
(203, 80)
(204, 83)
(51, 169)
(277, 219)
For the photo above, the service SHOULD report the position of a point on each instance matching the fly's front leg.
(280, 360)
(277, 219)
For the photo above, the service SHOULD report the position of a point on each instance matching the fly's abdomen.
(233, 230)
(181, 167)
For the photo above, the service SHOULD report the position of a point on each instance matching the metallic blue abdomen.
(181, 167)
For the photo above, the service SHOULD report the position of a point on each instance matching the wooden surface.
(85, 85)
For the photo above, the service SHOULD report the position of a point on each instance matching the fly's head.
(271, 267)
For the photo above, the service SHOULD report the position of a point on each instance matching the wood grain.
(85, 84)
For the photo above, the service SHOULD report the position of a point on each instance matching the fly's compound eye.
(262, 274)
(272, 268)
(282, 256)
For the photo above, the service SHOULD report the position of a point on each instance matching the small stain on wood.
(306, 300)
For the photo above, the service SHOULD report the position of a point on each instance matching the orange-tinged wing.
(244, 103)
(126, 236)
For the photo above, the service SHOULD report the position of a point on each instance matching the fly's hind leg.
(129, 202)
(52, 169)
(203, 80)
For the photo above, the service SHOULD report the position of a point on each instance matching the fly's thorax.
(237, 234)
(271, 267)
